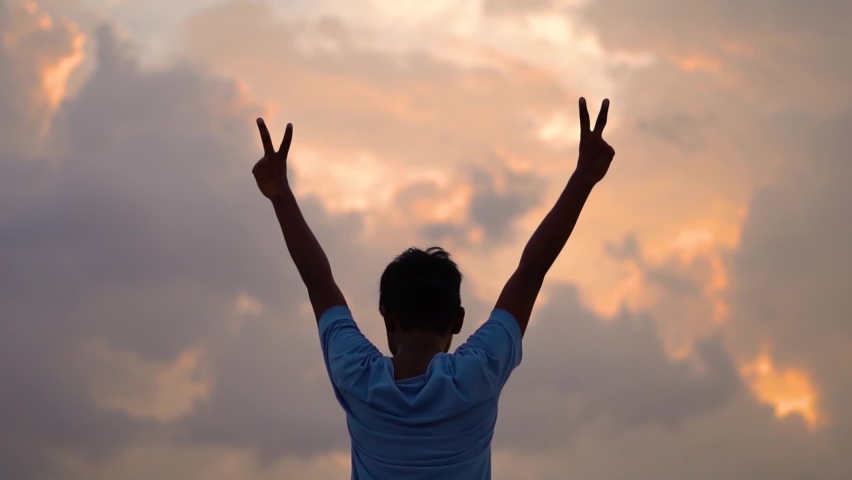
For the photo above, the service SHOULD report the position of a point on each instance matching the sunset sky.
(697, 325)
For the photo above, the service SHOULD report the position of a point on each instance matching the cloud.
(144, 461)
(611, 371)
(776, 73)
(495, 202)
(412, 110)
(740, 440)
(142, 388)
(516, 6)
(784, 55)
(152, 317)
(128, 242)
(36, 58)
(679, 128)
(790, 275)
(128, 262)
(272, 394)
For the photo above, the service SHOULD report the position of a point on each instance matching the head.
(420, 298)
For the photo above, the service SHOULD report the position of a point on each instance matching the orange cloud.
(448, 207)
(53, 66)
(39, 54)
(693, 242)
(54, 77)
(789, 390)
(123, 381)
(739, 48)
(627, 292)
(699, 63)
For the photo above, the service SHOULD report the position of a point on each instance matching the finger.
(600, 123)
(584, 117)
(268, 149)
(288, 137)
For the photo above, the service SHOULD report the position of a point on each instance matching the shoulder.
(341, 340)
(333, 315)
(501, 331)
(488, 356)
(507, 321)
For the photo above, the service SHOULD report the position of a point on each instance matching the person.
(424, 413)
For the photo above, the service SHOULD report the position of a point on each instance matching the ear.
(390, 321)
(458, 322)
(390, 329)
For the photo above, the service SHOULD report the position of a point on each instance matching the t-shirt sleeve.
(346, 351)
(490, 355)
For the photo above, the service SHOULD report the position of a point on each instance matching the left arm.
(306, 252)
(520, 292)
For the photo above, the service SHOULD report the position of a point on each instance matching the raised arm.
(520, 292)
(306, 252)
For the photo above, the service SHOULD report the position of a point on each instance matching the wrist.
(582, 179)
(280, 195)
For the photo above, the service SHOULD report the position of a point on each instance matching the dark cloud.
(781, 55)
(136, 229)
(791, 276)
(679, 128)
(739, 440)
(496, 210)
(498, 200)
(272, 394)
(132, 207)
(611, 371)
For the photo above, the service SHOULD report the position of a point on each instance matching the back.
(435, 425)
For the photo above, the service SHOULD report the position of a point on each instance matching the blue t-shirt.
(435, 425)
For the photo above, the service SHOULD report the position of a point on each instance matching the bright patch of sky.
(456, 30)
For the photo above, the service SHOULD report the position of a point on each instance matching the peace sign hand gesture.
(270, 172)
(595, 153)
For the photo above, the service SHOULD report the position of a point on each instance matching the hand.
(270, 172)
(595, 153)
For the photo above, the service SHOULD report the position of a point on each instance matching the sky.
(696, 325)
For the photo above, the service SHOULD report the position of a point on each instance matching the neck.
(418, 344)
(414, 353)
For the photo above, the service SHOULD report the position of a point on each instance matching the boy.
(424, 413)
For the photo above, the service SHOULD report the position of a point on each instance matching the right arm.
(520, 292)
(306, 252)
(345, 350)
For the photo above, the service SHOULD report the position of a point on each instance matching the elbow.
(532, 269)
(317, 277)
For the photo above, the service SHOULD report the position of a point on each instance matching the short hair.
(422, 288)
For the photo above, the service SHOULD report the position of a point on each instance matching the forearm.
(551, 235)
(305, 250)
